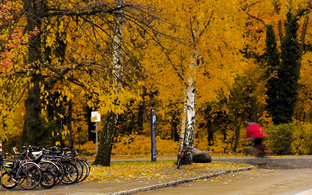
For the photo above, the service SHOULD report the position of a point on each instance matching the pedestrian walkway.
(125, 186)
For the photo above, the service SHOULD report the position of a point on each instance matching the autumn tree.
(288, 72)
(109, 130)
(62, 54)
(13, 44)
(273, 62)
(283, 76)
(193, 70)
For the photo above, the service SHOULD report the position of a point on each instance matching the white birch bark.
(118, 53)
(189, 105)
(117, 47)
(190, 110)
(109, 128)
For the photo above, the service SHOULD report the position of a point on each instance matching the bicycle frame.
(182, 154)
(2, 166)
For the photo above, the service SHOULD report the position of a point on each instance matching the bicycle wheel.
(71, 173)
(53, 168)
(80, 168)
(29, 175)
(47, 180)
(86, 169)
(180, 161)
(61, 172)
(7, 181)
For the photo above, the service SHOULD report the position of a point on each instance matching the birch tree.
(109, 129)
(198, 64)
(71, 49)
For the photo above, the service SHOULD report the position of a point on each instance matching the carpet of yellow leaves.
(146, 170)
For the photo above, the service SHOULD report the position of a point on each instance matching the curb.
(181, 181)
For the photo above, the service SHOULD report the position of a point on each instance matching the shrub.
(88, 148)
(280, 138)
(302, 139)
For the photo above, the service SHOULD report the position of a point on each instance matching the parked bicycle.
(82, 165)
(57, 165)
(28, 175)
(181, 156)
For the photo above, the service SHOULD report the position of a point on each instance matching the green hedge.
(290, 139)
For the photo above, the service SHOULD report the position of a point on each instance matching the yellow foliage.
(140, 144)
(136, 144)
(89, 147)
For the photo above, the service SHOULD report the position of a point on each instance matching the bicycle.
(181, 156)
(51, 173)
(71, 173)
(82, 165)
(27, 175)
(259, 151)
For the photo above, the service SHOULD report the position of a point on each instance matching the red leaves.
(14, 41)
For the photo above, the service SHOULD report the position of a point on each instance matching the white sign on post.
(96, 117)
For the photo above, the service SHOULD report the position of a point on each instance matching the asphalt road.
(270, 176)
(272, 162)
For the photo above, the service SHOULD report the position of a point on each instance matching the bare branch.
(254, 17)
(304, 30)
(88, 10)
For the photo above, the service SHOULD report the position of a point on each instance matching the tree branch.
(88, 10)
(304, 30)
(254, 17)
(280, 26)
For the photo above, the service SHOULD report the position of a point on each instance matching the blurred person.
(256, 134)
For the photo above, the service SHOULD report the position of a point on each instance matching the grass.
(146, 169)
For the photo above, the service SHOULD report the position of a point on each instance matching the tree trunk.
(140, 119)
(253, 104)
(304, 31)
(31, 128)
(280, 26)
(190, 122)
(210, 132)
(189, 105)
(190, 112)
(174, 127)
(237, 125)
(106, 141)
(69, 125)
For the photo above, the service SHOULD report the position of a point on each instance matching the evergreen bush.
(280, 137)
(302, 140)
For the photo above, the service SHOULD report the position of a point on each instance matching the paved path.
(253, 182)
(168, 177)
(172, 177)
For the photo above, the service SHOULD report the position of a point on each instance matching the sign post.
(96, 117)
(153, 134)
